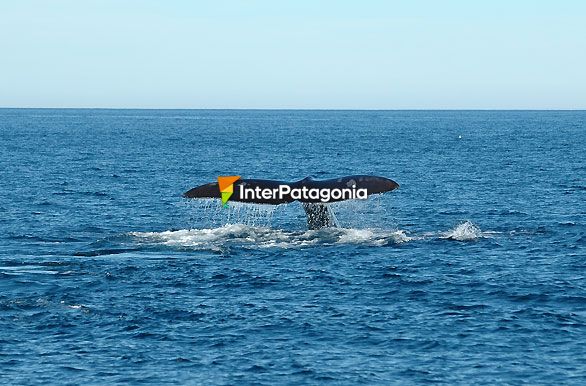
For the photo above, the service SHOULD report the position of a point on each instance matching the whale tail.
(313, 194)
(319, 216)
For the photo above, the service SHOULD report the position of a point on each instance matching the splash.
(466, 231)
(246, 236)
(250, 226)
(213, 214)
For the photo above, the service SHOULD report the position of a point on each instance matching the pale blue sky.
(293, 54)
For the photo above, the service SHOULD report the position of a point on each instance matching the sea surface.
(473, 272)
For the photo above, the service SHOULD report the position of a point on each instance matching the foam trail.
(241, 235)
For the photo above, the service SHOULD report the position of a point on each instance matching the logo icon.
(226, 185)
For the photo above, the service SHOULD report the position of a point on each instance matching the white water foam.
(466, 231)
(265, 237)
(248, 236)
(27, 269)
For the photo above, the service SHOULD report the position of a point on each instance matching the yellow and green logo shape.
(226, 185)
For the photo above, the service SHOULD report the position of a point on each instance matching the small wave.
(104, 252)
(81, 307)
(35, 238)
(27, 269)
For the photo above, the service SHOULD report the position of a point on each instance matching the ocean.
(472, 272)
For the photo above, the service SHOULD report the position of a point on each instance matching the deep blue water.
(472, 272)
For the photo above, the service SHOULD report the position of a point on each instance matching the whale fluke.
(319, 214)
(372, 184)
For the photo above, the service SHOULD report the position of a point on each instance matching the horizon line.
(289, 109)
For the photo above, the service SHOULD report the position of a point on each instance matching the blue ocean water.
(473, 272)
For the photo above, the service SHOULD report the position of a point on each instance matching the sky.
(301, 54)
